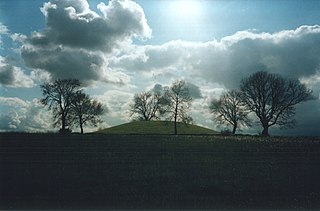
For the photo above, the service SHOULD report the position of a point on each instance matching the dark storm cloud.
(76, 39)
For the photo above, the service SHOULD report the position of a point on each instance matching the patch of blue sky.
(21, 16)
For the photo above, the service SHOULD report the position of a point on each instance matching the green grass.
(156, 128)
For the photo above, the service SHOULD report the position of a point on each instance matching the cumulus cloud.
(290, 53)
(21, 115)
(13, 76)
(76, 40)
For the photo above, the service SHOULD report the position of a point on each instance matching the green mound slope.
(155, 127)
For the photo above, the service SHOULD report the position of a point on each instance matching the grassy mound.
(156, 127)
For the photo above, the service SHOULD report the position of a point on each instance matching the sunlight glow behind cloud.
(186, 9)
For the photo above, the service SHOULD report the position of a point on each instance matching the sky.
(121, 47)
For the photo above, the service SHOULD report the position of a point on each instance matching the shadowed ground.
(50, 171)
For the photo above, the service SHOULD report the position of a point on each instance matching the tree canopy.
(58, 96)
(69, 104)
(147, 106)
(85, 111)
(230, 110)
(177, 101)
(272, 98)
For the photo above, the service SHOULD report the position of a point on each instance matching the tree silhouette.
(230, 109)
(272, 98)
(58, 96)
(147, 105)
(85, 111)
(177, 103)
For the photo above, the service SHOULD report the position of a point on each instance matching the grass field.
(96, 171)
(156, 127)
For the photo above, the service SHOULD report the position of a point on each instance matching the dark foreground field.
(157, 172)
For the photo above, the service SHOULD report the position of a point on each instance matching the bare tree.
(85, 111)
(58, 96)
(147, 105)
(230, 109)
(272, 98)
(177, 103)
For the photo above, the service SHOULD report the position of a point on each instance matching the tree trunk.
(175, 127)
(234, 129)
(265, 125)
(175, 124)
(81, 124)
(265, 131)
(175, 120)
(63, 123)
(81, 127)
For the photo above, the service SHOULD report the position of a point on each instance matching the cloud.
(118, 103)
(32, 116)
(194, 90)
(77, 40)
(157, 88)
(157, 58)
(313, 82)
(20, 115)
(3, 30)
(12, 102)
(290, 53)
(13, 76)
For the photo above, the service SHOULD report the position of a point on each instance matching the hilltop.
(156, 127)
